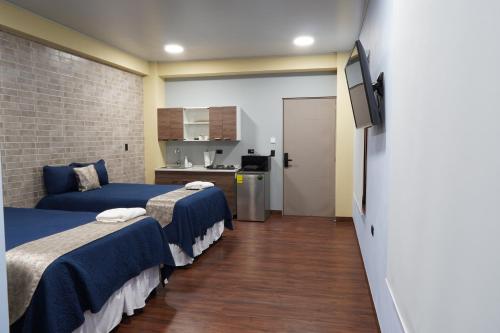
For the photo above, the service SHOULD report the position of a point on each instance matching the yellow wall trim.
(26, 24)
(344, 143)
(154, 97)
(248, 66)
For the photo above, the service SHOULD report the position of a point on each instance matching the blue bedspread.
(114, 195)
(192, 215)
(85, 278)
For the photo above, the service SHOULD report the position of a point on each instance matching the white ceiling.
(209, 29)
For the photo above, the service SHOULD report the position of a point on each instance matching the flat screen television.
(365, 106)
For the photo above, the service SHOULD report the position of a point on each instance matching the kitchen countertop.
(196, 168)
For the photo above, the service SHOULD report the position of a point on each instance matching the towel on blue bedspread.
(120, 215)
(198, 185)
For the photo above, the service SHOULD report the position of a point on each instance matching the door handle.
(286, 160)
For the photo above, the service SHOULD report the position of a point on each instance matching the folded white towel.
(198, 185)
(120, 215)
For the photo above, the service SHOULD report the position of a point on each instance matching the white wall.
(261, 101)
(376, 37)
(443, 263)
(433, 173)
(4, 311)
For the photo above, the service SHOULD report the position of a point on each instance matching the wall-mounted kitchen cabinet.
(221, 123)
(196, 124)
(225, 123)
(170, 124)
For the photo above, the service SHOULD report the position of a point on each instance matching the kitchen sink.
(175, 166)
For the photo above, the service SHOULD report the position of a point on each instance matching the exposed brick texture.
(56, 108)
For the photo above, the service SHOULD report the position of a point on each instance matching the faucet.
(177, 151)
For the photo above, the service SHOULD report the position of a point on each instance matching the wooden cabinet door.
(223, 123)
(163, 124)
(215, 123)
(229, 123)
(170, 124)
(176, 124)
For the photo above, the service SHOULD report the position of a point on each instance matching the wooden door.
(215, 123)
(309, 141)
(170, 124)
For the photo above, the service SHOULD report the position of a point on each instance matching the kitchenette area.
(198, 140)
(224, 178)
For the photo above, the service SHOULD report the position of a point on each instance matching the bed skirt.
(212, 235)
(131, 296)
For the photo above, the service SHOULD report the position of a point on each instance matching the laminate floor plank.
(289, 274)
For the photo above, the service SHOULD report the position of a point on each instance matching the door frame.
(283, 149)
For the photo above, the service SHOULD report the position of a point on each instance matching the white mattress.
(131, 296)
(213, 234)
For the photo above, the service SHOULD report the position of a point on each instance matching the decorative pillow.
(87, 178)
(100, 167)
(59, 179)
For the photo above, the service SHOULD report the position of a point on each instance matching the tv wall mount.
(378, 88)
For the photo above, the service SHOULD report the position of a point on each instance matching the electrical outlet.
(219, 151)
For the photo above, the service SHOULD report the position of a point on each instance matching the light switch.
(272, 140)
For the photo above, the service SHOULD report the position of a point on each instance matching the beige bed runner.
(161, 207)
(27, 262)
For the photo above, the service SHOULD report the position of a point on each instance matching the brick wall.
(56, 108)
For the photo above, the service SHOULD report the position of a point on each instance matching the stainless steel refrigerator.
(253, 195)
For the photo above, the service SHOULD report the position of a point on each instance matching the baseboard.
(343, 219)
(404, 328)
(337, 218)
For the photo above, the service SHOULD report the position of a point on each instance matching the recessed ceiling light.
(173, 48)
(303, 41)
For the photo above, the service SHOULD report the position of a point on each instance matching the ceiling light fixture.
(173, 48)
(303, 41)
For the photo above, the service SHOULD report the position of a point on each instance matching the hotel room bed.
(89, 288)
(198, 220)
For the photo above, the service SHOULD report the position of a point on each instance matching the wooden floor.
(290, 274)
